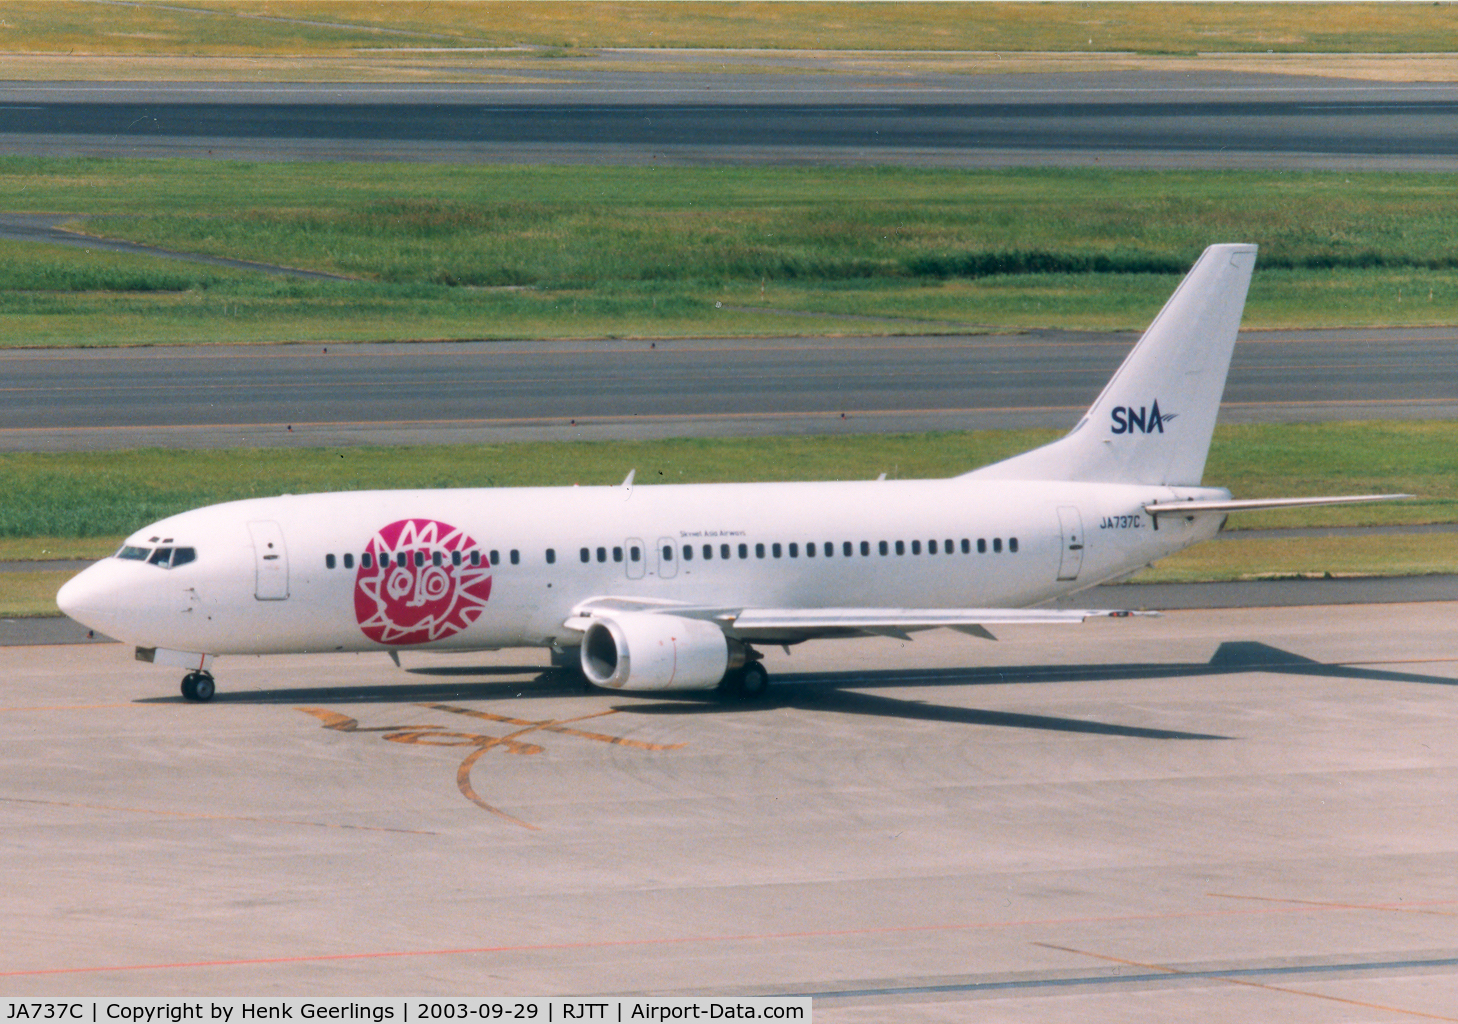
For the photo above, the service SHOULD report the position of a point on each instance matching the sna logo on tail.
(420, 580)
(1143, 420)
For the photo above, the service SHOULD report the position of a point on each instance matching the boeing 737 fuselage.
(671, 586)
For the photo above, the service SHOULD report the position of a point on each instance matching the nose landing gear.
(198, 686)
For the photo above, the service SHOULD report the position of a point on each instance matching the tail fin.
(1152, 423)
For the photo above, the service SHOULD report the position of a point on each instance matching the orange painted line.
(213, 817)
(560, 726)
(74, 707)
(1399, 908)
(676, 940)
(1175, 972)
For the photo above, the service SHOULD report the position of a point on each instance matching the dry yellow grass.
(30, 594)
(1263, 558)
(525, 67)
(23, 549)
(318, 28)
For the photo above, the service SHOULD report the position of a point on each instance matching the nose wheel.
(198, 686)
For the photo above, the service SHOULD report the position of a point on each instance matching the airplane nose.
(93, 597)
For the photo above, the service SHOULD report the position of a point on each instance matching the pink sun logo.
(420, 580)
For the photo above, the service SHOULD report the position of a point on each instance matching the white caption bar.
(404, 1011)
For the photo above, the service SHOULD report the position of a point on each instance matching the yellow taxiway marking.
(511, 743)
(212, 817)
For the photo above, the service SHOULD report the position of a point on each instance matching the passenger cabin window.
(585, 555)
(1012, 545)
(435, 558)
(744, 551)
(794, 551)
(883, 548)
(997, 545)
(551, 555)
(348, 560)
(419, 559)
(931, 547)
(708, 552)
(724, 551)
(688, 552)
(810, 550)
(515, 557)
(366, 561)
(329, 561)
(602, 554)
(617, 554)
(982, 545)
(634, 554)
(915, 547)
(759, 551)
(776, 550)
(455, 558)
(668, 552)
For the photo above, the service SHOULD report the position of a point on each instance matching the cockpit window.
(166, 558)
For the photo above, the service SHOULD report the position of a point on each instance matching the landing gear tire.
(198, 686)
(749, 682)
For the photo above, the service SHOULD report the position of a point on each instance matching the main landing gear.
(748, 682)
(198, 686)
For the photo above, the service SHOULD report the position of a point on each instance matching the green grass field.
(51, 496)
(496, 252)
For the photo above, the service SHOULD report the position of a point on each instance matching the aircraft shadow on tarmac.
(836, 692)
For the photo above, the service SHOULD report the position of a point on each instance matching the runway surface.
(208, 396)
(1142, 118)
(1218, 815)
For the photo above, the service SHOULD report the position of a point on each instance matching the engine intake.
(648, 651)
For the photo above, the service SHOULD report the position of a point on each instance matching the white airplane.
(672, 586)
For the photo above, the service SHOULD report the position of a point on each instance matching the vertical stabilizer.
(1152, 423)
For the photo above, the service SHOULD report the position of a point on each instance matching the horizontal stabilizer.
(1202, 508)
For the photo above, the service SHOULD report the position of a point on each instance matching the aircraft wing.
(768, 624)
(790, 625)
(1202, 508)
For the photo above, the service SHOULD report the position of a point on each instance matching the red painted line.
(688, 939)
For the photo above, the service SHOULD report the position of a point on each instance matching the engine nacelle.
(648, 651)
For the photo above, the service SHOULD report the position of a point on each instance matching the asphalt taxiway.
(298, 395)
(1217, 815)
(891, 115)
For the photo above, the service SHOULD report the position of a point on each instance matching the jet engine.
(648, 651)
